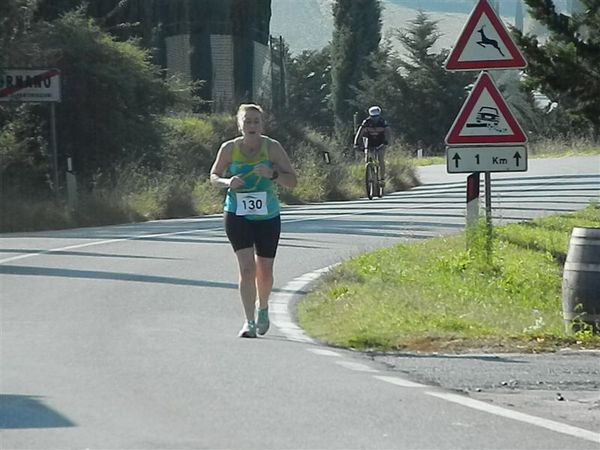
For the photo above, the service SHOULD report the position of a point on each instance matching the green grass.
(437, 296)
(551, 148)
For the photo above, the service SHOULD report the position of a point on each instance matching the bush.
(100, 208)
(162, 196)
(207, 199)
(181, 188)
(31, 216)
(191, 144)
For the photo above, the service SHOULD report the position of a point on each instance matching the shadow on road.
(99, 275)
(24, 411)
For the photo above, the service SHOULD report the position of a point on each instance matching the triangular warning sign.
(485, 118)
(485, 43)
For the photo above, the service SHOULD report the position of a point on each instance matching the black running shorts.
(263, 235)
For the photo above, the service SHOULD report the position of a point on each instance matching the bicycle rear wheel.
(370, 180)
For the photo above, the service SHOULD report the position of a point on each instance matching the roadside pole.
(485, 136)
(71, 182)
(54, 144)
(488, 213)
(472, 199)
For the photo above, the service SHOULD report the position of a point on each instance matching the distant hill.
(304, 24)
(308, 24)
(453, 6)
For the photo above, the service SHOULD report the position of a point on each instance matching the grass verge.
(164, 196)
(437, 296)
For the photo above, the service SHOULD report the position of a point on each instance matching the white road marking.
(323, 352)
(363, 212)
(533, 420)
(141, 236)
(109, 241)
(279, 310)
(401, 382)
(356, 366)
(61, 249)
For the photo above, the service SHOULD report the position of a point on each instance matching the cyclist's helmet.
(374, 111)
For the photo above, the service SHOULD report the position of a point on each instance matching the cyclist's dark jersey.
(374, 131)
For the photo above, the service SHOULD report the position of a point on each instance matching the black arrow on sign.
(518, 157)
(456, 159)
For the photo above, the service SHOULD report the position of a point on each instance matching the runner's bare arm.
(282, 167)
(220, 166)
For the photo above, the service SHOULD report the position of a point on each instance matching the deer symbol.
(487, 41)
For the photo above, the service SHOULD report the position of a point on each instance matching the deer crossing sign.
(485, 43)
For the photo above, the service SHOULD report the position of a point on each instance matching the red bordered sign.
(485, 43)
(485, 118)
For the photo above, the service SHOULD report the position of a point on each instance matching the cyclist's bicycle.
(373, 184)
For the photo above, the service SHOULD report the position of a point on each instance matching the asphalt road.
(125, 336)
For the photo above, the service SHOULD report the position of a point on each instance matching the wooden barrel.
(581, 280)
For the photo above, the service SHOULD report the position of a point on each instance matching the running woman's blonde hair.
(243, 109)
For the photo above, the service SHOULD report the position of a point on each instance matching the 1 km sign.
(29, 85)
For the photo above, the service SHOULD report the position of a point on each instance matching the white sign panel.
(486, 159)
(29, 85)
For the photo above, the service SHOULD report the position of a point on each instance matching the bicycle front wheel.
(370, 181)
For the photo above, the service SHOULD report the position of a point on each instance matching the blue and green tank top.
(243, 166)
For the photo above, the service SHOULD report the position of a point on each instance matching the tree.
(309, 89)
(420, 99)
(114, 94)
(15, 21)
(122, 18)
(23, 150)
(112, 99)
(565, 66)
(356, 36)
(386, 87)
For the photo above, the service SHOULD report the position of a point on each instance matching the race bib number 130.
(251, 203)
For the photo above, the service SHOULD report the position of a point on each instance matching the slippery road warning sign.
(30, 85)
(485, 43)
(485, 118)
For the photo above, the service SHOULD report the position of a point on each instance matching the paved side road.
(562, 386)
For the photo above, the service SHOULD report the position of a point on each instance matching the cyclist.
(377, 132)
